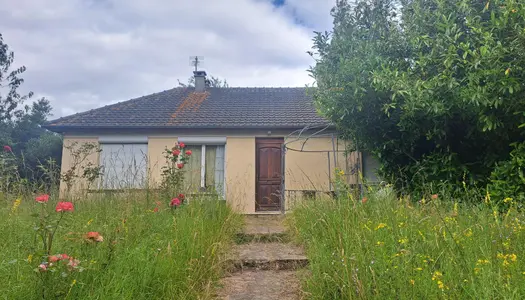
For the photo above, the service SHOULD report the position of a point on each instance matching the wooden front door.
(268, 174)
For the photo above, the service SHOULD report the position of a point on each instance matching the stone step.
(267, 256)
(263, 228)
(260, 285)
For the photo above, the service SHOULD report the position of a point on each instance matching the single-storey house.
(260, 149)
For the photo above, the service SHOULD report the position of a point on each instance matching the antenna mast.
(196, 61)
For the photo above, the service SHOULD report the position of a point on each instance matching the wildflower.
(42, 198)
(58, 257)
(403, 241)
(176, 152)
(418, 269)
(482, 262)
(42, 267)
(64, 206)
(94, 236)
(16, 204)
(341, 172)
(188, 152)
(381, 225)
(434, 197)
(507, 200)
(181, 197)
(468, 232)
(7, 148)
(364, 200)
(30, 258)
(73, 263)
(477, 270)
(437, 275)
(180, 165)
(380, 243)
(412, 281)
(175, 202)
(441, 285)
(156, 209)
(182, 145)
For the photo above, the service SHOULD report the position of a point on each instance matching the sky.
(84, 54)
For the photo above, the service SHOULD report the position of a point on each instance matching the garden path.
(264, 264)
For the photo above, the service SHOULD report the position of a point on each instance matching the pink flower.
(181, 197)
(64, 206)
(175, 202)
(73, 263)
(64, 256)
(182, 145)
(7, 148)
(53, 258)
(42, 267)
(188, 152)
(156, 209)
(176, 152)
(180, 165)
(42, 198)
(94, 236)
(435, 196)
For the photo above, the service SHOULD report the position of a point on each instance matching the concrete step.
(267, 256)
(263, 228)
(261, 285)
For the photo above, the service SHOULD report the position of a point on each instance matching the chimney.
(200, 81)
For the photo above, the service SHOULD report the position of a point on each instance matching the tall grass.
(167, 254)
(387, 248)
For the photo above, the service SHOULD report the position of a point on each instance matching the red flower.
(182, 145)
(7, 148)
(64, 256)
(181, 197)
(175, 202)
(175, 152)
(188, 152)
(94, 236)
(53, 258)
(180, 165)
(435, 196)
(156, 209)
(64, 206)
(364, 200)
(42, 198)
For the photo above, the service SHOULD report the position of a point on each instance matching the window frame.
(123, 141)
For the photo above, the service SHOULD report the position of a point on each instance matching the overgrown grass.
(145, 254)
(388, 248)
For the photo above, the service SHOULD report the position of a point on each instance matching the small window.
(123, 165)
(205, 169)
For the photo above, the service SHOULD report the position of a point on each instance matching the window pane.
(192, 169)
(219, 170)
(124, 165)
(211, 152)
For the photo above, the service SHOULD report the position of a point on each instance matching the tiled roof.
(215, 108)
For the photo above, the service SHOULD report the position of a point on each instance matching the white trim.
(203, 166)
(123, 139)
(208, 140)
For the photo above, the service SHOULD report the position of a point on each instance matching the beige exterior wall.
(240, 173)
(69, 161)
(304, 171)
(156, 160)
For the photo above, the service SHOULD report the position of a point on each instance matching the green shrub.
(507, 181)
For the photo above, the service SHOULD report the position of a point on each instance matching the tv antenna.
(196, 61)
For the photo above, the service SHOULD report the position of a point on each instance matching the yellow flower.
(403, 241)
(16, 204)
(468, 232)
(441, 285)
(341, 172)
(412, 281)
(30, 258)
(513, 257)
(477, 270)
(437, 275)
(418, 269)
(381, 225)
(90, 221)
(507, 200)
(380, 243)
(482, 262)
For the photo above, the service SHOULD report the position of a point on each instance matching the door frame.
(268, 140)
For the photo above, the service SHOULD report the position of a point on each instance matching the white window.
(205, 169)
(123, 165)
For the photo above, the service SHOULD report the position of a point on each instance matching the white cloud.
(83, 54)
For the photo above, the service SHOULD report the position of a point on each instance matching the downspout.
(283, 172)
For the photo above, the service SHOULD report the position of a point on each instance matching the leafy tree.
(434, 88)
(20, 124)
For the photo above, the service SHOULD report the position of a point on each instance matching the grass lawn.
(146, 253)
(388, 248)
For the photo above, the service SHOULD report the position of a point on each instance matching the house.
(261, 149)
